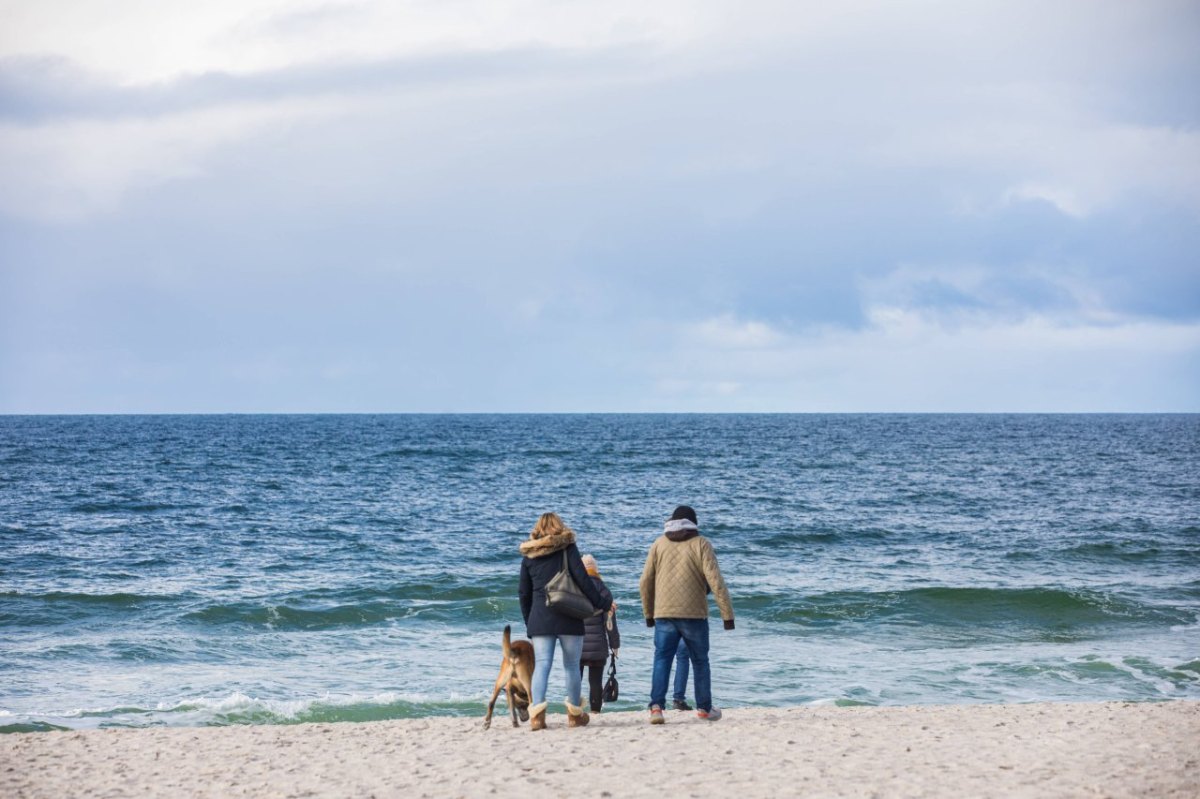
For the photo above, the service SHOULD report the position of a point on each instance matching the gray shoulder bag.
(563, 596)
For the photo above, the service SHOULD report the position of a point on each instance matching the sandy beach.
(1028, 750)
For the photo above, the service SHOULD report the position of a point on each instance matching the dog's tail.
(507, 641)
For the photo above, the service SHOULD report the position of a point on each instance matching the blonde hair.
(549, 524)
(589, 563)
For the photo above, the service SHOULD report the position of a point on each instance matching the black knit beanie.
(684, 512)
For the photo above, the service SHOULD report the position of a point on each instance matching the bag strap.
(612, 664)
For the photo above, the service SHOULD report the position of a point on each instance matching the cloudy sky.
(559, 205)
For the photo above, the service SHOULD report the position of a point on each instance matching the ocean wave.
(1049, 610)
(31, 726)
(548, 453)
(1190, 590)
(1133, 676)
(118, 599)
(432, 452)
(284, 617)
(129, 506)
(239, 708)
(823, 535)
(58, 607)
(446, 588)
(1117, 551)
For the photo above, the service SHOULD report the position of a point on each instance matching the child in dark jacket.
(600, 634)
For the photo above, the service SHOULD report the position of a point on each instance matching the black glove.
(649, 622)
(729, 624)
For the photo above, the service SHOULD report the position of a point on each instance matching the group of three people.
(680, 571)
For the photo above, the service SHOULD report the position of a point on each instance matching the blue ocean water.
(271, 569)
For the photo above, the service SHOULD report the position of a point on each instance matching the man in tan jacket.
(680, 571)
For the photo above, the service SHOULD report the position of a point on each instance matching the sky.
(568, 206)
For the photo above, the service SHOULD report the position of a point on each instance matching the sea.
(261, 569)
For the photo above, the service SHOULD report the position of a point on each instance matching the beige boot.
(537, 716)
(576, 717)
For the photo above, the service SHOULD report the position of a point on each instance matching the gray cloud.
(52, 88)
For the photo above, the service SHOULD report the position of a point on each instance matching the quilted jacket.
(677, 577)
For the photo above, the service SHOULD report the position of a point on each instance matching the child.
(600, 634)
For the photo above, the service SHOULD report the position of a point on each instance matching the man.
(680, 571)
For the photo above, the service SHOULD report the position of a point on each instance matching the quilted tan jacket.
(676, 579)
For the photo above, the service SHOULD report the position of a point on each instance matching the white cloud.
(727, 333)
(139, 42)
(1027, 144)
(1093, 164)
(1064, 198)
(979, 294)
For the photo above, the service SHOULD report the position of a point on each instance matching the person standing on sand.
(681, 568)
(544, 626)
(600, 634)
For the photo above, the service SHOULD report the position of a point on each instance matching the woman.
(545, 627)
(600, 635)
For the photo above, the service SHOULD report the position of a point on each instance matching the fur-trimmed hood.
(547, 545)
(680, 529)
(682, 535)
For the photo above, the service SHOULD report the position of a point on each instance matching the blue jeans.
(682, 656)
(667, 635)
(543, 659)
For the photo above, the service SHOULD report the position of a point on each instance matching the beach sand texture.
(1027, 750)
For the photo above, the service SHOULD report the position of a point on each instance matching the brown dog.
(516, 679)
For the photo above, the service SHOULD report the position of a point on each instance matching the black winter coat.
(597, 638)
(535, 573)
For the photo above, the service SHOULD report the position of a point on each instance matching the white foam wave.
(238, 702)
(232, 706)
(1163, 686)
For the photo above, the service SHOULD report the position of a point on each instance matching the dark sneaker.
(681, 704)
(710, 715)
(656, 716)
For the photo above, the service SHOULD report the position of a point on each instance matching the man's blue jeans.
(667, 635)
(543, 654)
(682, 657)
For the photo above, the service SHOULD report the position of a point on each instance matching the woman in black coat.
(600, 634)
(543, 552)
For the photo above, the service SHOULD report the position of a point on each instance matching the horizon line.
(605, 413)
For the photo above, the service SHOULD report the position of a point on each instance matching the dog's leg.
(523, 668)
(523, 674)
(501, 681)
